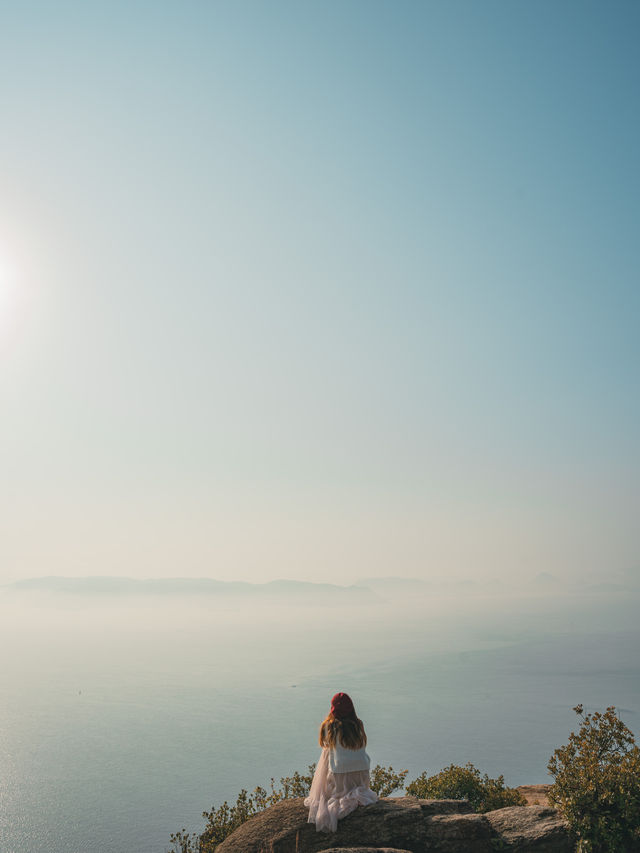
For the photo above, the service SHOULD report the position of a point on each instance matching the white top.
(343, 760)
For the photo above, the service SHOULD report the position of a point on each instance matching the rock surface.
(536, 828)
(403, 825)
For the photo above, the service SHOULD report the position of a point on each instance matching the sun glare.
(8, 287)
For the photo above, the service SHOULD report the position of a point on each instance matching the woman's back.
(343, 760)
(341, 781)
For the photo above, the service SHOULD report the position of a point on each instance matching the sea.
(123, 719)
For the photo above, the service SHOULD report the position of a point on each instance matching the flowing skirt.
(334, 795)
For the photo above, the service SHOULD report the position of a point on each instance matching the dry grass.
(535, 795)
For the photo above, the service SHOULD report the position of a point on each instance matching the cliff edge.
(404, 825)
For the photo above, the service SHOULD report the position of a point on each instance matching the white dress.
(340, 784)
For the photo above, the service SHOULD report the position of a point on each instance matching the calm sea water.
(121, 723)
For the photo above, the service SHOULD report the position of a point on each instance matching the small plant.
(466, 783)
(384, 780)
(225, 819)
(597, 784)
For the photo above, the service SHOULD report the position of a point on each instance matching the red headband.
(341, 706)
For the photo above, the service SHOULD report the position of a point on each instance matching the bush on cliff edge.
(466, 783)
(597, 784)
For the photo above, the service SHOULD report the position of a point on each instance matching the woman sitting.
(341, 781)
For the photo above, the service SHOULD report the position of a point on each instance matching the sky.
(319, 290)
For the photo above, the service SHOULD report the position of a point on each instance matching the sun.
(8, 288)
(5, 281)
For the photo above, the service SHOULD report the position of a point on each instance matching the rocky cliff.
(404, 825)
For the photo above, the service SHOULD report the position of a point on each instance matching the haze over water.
(123, 719)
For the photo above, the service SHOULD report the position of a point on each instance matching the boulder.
(405, 825)
(530, 828)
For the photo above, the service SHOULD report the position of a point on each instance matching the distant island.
(103, 586)
(368, 590)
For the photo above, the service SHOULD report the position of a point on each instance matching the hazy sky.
(319, 290)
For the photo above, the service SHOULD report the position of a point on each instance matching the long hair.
(349, 731)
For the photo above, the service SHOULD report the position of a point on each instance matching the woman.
(341, 781)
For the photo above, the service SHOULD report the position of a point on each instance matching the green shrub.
(466, 783)
(225, 819)
(384, 780)
(597, 784)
